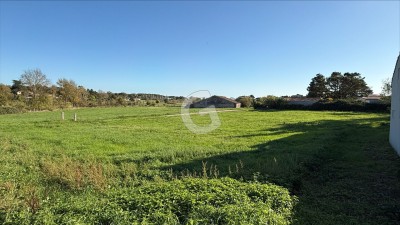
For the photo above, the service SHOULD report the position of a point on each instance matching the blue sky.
(230, 48)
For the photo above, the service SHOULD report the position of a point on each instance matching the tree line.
(34, 91)
(338, 86)
(342, 92)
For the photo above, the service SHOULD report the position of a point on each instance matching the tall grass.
(48, 165)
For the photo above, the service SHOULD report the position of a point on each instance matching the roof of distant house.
(372, 97)
(226, 98)
(302, 99)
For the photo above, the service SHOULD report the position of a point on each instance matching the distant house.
(217, 102)
(301, 101)
(297, 96)
(372, 99)
(395, 108)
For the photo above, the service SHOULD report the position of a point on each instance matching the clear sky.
(230, 48)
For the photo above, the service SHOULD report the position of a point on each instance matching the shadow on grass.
(343, 172)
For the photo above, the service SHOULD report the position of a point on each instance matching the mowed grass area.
(338, 166)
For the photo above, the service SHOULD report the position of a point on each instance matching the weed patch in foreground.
(183, 201)
(75, 175)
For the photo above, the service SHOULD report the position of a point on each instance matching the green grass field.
(337, 166)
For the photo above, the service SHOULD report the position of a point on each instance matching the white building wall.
(395, 109)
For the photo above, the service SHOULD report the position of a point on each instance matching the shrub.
(270, 102)
(245, 101)
(8, 110)
(328, 104)
(207, 201)
(349, 105)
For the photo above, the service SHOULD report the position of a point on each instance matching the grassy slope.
(338, 164)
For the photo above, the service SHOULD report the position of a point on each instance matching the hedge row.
(338, 105)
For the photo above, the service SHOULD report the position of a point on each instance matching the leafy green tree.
(334, 83)
(354, 86)
(246, 101)
(68, 91)
(92, 97)
(317, 87)
(347, 86)
(71, 93)
(269, 102)
(5, 95)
